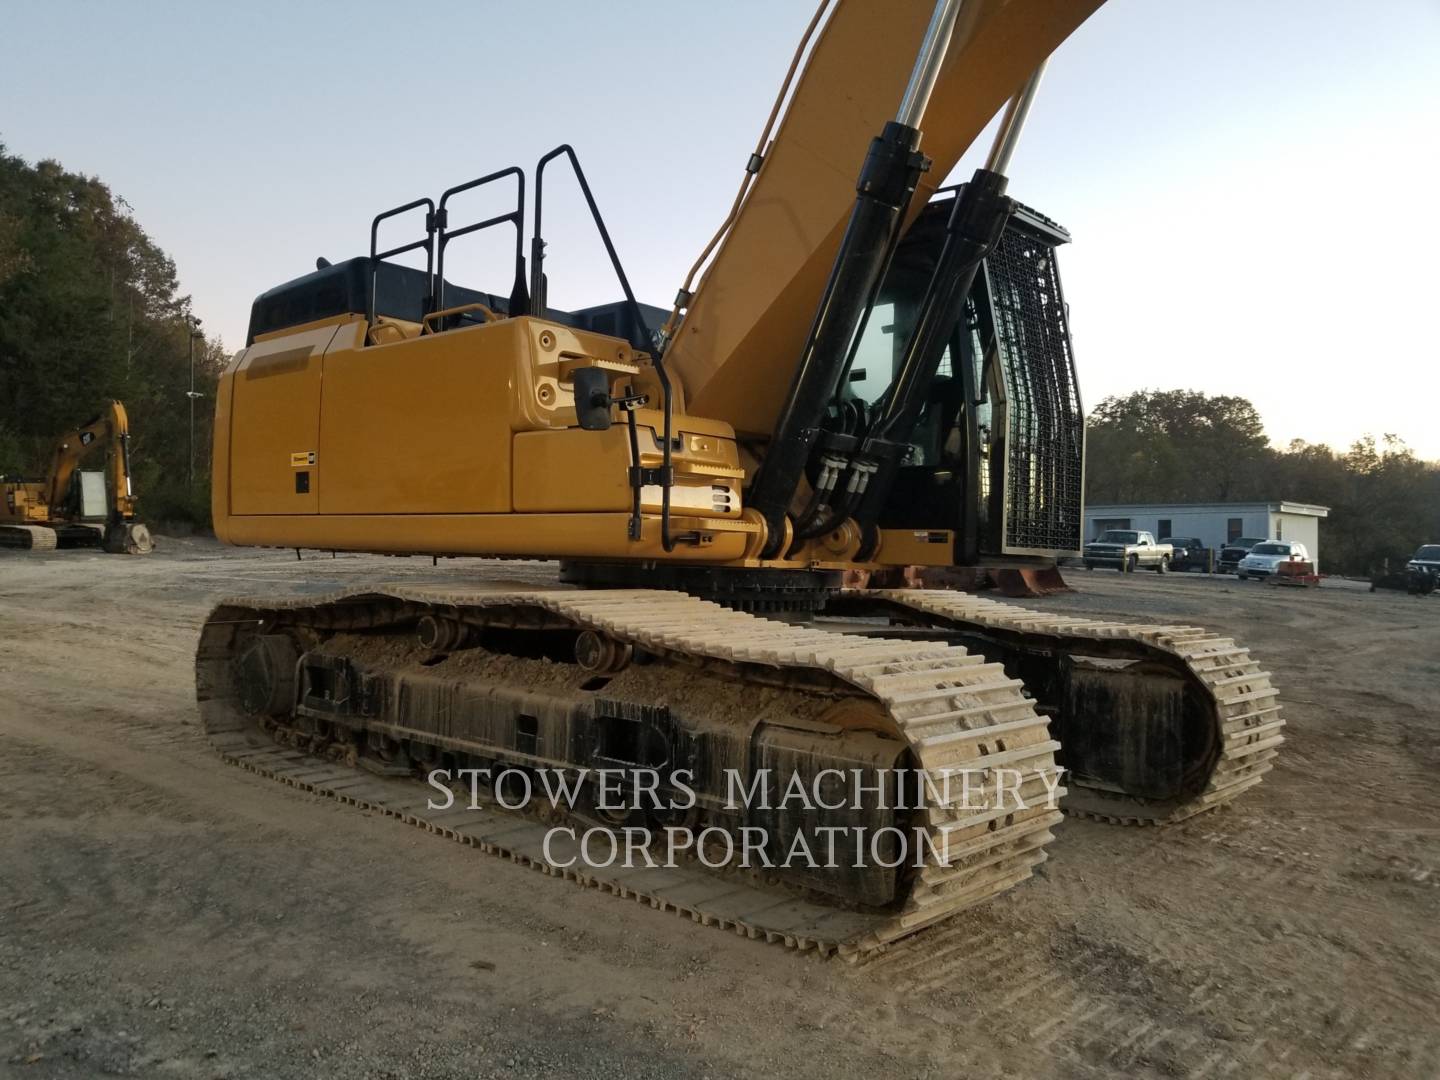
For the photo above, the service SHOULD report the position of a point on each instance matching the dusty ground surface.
(163, 914)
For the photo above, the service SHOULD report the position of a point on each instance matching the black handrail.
(516, 217)
(537, 243)
(538, 299)
(426, 243)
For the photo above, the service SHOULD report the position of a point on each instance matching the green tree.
(1174, 446)
(1387, 514)
(1184, 446)
(93, 311)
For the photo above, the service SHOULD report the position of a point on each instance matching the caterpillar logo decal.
(302, 459)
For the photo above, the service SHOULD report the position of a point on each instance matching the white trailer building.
(1216, 524)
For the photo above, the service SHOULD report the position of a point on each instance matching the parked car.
(1422, 573)
(1234, 551)
(1267, 554)
(1126, 550)
(1189, 553)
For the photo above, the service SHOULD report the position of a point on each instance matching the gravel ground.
(162, 914)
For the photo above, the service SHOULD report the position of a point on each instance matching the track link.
(952, 708)
(1243, 708)
(28, 537)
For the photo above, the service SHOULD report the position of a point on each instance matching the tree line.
(1157, 446)
(90, 310)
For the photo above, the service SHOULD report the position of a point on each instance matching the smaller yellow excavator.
(60, 510)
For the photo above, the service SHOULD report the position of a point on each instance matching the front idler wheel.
(265, 675)
(601, 654)
(440, 634)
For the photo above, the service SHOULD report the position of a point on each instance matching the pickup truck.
(1188, 553)
(1266, 555)
(1422, 573)
(1127, 550)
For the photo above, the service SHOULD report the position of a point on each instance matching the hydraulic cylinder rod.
(976, 222)
(1013, 123)
(887, 181)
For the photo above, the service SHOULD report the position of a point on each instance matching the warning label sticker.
(301, 459)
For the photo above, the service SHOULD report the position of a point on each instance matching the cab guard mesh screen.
(1045, 430)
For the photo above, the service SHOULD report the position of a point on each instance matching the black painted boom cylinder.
(887, 181)
(976, 222)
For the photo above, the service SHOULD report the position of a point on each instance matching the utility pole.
(191, 393)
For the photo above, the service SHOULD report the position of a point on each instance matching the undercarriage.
(123, 538)
(832, 781)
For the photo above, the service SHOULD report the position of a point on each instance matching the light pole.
(192, 394)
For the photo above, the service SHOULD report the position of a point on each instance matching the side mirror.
(592, 398)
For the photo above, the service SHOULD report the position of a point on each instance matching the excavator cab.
(996, 454)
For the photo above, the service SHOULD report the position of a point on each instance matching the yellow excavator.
(57, 512)
(871, 385)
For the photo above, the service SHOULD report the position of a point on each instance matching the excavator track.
(1229, 698)
(28, 537)
(951, 708)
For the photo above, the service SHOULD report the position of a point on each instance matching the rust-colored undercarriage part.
(1018, 580)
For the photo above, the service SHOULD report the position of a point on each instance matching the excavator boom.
(110, 428)
(738, 342)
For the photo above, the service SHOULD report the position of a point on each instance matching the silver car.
(1264, 557)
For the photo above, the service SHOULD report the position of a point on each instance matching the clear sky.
(1250, 183)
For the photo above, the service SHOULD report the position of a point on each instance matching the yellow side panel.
(572, 471)
(275, 414)
(420, 426)
(567, 470)
(21, 503)
(916, 547)
(543, 536)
